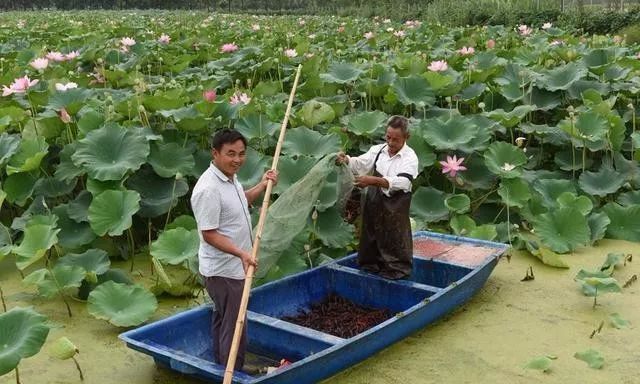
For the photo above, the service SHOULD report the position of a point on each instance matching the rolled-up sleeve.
(363, 164)
(408, 165)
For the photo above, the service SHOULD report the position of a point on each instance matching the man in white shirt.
(387, 170)
(221, 208)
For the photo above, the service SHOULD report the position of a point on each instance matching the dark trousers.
(226, 295)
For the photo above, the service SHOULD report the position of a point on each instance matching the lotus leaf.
(254, 166)
(368, 123)
(78, 209)
(171, 159)
(448, 134)
(62, 279)
(514, 192)
(592, 357)
(562, 77)
(89, 120)
(542, 99)
(567, 162)
(617, 321)
(314, 112)
(458, 203)
(601, 183)
(598, 223)
(426, 156)
(581, 203)
(414, 90)
(256, 126)
(29, 155)
(625, 221)
(113, 274)
(94, 262)
(184, 221)
(477, 175)
(291, 170)
(303, 141)
(63, 349)
(158, 194)
(37, 240)
(505, 160)
(111, 211)
(332, 230)
(341, 73)
(72, 234)
(512, 118)
(110, 152)
(462, 225)
(120, 304)
(542, 363)
(484, 232)
(551, 189)
(22, 333)
(66, 169)
(176, 246)
(473, 91)
(9, 145)
(563, 230)
(428, 204)
(629, 198)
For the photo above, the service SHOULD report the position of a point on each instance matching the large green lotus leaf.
(598, 223)
(579, 87)
(110, 152)
(414, 90)
(170, 99)
(96, 187)
(473, 91)
(111, 211)
(588, 126)
(23, 332)
(332, 230)
(443, 84)
(616, 73)
(183, 221)
(29, 155)
(51, 187)
(66, 169)
(158, 194)
(459, 203)
(601, 183)
(562, 77)
(547, 256)
(176, 246)
(448, 134)
(625, 221)
(629, 198)
(426, 156)
(256, 126)
(512, 118)
(62, 279)
(291, 170)
(563, 229)
(505, 160)
(597, 60)
(551, 189)
(72, 234)
(120, 304)
(571, 162)
(462, 225)
(516, 75)
(305, 142)
(597, 283)
(19, 187)
(89, 120)
(9, 145)
(113, 274)
(341, 73)
(6, 243)
(542, 363)
(171, 159)
(617, 131)
(37, 240)
(617, 321)
(93, 261)
(514, 192)
(367, 124)
(542, 99)
(477, 175)
(314, 112)
(255, 164)
(592, 357)
(78, 208)
(428, 204)
(581, 203)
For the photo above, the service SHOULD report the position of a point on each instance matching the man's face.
(395, 139)
(230, 157)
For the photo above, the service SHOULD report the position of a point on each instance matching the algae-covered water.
(488, 340)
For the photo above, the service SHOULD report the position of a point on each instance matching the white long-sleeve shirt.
(405, 161)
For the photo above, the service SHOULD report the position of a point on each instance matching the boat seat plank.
(405, 283)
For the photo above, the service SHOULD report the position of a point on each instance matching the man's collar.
(219, 173)
(400, 152)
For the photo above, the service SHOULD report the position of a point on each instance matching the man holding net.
(387, 170)
(221, 208)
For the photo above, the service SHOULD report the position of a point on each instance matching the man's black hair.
(226, 136)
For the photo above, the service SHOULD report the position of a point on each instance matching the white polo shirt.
(405, 161)
(220, 203)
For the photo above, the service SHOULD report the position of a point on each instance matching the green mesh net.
(288, 215)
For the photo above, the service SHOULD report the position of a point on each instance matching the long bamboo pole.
(228, 373)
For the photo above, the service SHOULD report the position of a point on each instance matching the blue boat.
(447, 271)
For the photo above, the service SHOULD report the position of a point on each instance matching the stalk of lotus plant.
(584, 154)
(132, 245)
(4, 305)
(78, 367)
(173, 192)
(61, 292)
(228, 373)
(17, 375)
(573, 148)
(633, 122)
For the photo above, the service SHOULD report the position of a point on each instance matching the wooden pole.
(228, 373)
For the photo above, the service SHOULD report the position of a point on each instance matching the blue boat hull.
(183, 342)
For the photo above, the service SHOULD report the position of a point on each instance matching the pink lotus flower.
(164, 39)
(546, 25)
(399, 34)
(490, 44)
(239, 98)
(255, 27)
(301, 22)
(290, 53)
(127, 42)
(72, 55)
(39, 63)
(63, 87)
(453, 165)
(341, 29)
(617, 39)
(55, 56)
(64, 116)
(368, 35)
(228, 48)
(438, 66)
(20, 85)
(209, 95)
(524, 30)
(465, 51)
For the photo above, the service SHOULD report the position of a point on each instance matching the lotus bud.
(141, 108)
(179, 176)
(520, 141)
(99, 61)
(481, 105)
(570, 108)
(138, 67)
(307, 247)
(630, 106)
(314, 215)
(148, 66)
(448, 99)
(160, 59)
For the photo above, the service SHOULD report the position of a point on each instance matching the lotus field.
(525, 135)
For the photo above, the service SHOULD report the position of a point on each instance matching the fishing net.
(288, 215)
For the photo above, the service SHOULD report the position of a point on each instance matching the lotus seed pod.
(570, 108)
(314, 215)
(141, 108)
(630, 106)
